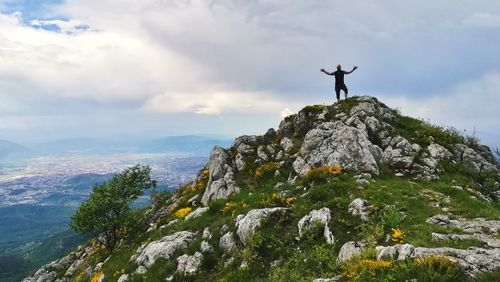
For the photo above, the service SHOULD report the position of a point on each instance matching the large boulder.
(221, 182)
(166, 247)
(246, 224)
(334, 143)
(322, 217)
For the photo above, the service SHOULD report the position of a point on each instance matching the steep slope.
(352, 191)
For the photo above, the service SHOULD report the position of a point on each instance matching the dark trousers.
(340, 87)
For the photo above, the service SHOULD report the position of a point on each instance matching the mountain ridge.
(355, 187)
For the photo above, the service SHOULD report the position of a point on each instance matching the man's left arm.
(353, 69)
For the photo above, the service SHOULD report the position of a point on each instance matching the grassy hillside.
(402, 196)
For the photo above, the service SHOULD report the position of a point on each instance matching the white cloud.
(472, 106)
(215, 103)
(286, 112)
(482, 20)
(238, 57)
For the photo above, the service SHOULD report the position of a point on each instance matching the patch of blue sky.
(39, 15)
(30, 9)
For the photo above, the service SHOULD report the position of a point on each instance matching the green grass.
(423, 133)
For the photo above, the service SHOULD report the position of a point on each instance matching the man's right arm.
(324, 71)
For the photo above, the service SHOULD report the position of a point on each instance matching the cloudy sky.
(100, 68)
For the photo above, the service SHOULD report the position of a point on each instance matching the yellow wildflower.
(397, 235)
(265, 168)
(182, 213)
(97, 277)
(289, 201)
(324, 170)
(229, 207)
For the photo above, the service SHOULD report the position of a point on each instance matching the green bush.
(392, 218)
(307, 265)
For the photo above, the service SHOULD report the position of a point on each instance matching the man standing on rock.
(339, 79)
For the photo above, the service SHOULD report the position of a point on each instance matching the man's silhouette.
(339, 79)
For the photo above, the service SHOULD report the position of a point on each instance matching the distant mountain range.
(190, 144)
(10, 149)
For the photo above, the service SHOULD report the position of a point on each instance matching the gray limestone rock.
(189, 264)
(321, 216)
(261, 153)
(206, 234)
(438, 152)
(287, 144)
(197, 213)
(472, 260)
(360, 207)
(399, 252)
(244, 144)
(221, 181)
(146, 255)
(123, 278)
(400, 153)
(349, 250)
(334, 143)
(246, 224)
(240, 163)
(205, 247)
(227, 242)
(473, 160)
(478, 225)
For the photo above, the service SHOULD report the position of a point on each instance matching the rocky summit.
(352, 191)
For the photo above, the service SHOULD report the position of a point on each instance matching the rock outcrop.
(336, 144)
(221, 181)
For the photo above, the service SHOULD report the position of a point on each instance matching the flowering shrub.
(229, 207)
(275, 200)
(290, 200)
(365, 267)
(434, 261)
(266, 168)
(182, 213)
(397, 235)
(324, 171)
(321, 174)
(97, 277)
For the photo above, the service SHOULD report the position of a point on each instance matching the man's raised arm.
(353, 69)
(329, 73)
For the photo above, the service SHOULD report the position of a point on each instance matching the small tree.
(108, 207)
